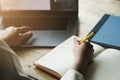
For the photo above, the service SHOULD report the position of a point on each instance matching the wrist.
(80, 67)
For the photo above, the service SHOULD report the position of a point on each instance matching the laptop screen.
(38, 5)
(25, 4)
(43, 23)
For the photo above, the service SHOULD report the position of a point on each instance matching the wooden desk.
(90, 11)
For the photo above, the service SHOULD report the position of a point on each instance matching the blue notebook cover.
(107, 32)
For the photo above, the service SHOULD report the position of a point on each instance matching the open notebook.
(105, 65)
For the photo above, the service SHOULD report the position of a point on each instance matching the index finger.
(76, 41)
(23, 29)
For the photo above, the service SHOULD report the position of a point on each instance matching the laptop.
(51, 21)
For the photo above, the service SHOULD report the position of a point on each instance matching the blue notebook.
(107, 32)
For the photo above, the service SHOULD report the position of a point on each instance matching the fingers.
(23, 29)
(89, 47)
(26, 34)
(87, 43)
(76, 41)
(83, 46)
(24, 37)
(90, 55)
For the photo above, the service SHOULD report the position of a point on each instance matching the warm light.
(25, 4)
(8, 4)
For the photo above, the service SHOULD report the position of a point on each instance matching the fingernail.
(75, 39)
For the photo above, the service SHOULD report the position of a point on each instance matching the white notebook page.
(61, 58)
(106, 66)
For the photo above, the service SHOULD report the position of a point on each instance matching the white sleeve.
(8, 55)
(72, 75)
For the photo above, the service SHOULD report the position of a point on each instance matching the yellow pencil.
(87, 37)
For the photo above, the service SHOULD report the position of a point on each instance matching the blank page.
(106, 66)
(60, 59)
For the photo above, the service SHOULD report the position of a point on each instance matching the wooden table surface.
(90, 11)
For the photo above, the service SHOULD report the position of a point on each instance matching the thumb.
(25, 37)
(76, 41)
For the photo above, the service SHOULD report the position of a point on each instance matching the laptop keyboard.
(37, 23)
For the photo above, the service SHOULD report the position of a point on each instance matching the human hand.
(15, 36)
(83, 55)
